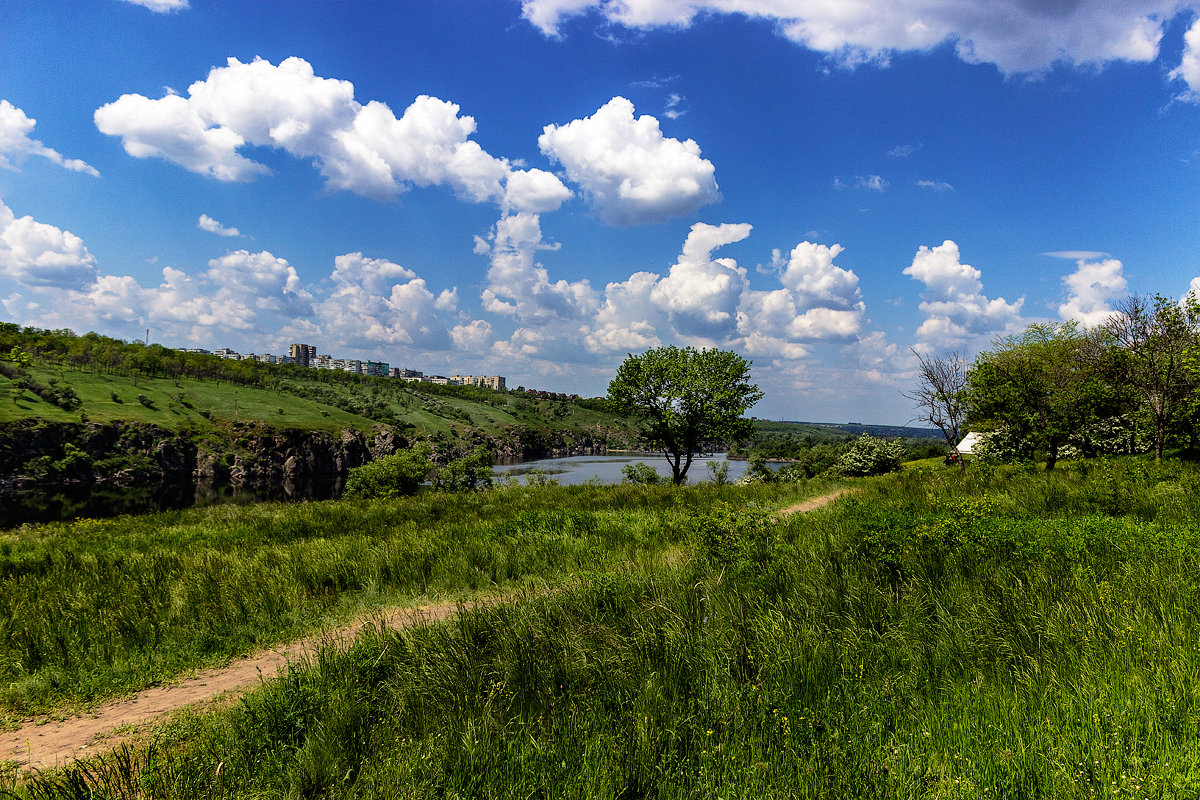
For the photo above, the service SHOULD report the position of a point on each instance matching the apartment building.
(302, 354)
(482, 381)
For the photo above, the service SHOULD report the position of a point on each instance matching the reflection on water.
(577, 470)
(45, 505)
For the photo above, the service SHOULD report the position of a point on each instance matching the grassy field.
(301, 400)
(1007, 633)
(93, 608)
(174, 403)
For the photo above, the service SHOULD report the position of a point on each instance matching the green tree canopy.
(1045, 385)
(1159, 346)
(687, 398)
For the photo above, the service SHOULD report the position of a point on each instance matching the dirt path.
(39, 744)
(814, 503)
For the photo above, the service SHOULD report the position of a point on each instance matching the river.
(577, 470)
(49, 504)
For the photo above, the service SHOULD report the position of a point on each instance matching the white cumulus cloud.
(36, 254)
(629, 171)
(700, 294)
(209, 224)
(359, 148)
(271, 281)
(1188, 70)
(819, 301)
(1018, 36)
(1092, 285)
(520, 287)
(956, 310)
(170, 128)
(16, 145)
(377, 302)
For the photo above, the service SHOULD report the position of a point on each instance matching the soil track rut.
(39, 744)
(815, 503)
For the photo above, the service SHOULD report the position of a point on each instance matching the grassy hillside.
(1005, 633)
(104, 380)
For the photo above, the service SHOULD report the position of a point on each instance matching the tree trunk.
(1052, 454)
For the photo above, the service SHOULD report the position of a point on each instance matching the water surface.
(577, 470)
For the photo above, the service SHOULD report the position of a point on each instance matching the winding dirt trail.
(40, 744)
(815, 503)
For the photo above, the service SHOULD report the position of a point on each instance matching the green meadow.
(1003, 633)
(298, 400)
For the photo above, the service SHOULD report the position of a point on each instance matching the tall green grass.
(94, 608)
(1008, 634)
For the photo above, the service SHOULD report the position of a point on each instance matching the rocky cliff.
(245, 454)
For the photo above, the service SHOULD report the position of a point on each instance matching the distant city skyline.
(535, 189)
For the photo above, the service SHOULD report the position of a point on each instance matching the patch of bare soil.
(40, 744)
(814, 503)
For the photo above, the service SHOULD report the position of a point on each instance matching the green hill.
(139, 404)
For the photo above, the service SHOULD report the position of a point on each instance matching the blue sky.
(537, 189)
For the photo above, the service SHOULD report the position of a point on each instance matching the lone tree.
(941, 394)
(686, 397)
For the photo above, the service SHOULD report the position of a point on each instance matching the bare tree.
(941, 393)
(1159, 341)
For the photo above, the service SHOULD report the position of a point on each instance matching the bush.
(741, 538)
(537, 477)
(870, 455)
(641, 474)
(1001, 446)
(390, 476)
(466, 473)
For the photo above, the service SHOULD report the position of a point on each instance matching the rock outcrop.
(244, 454)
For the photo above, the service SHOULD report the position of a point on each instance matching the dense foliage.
(869, 455)
(390, 476)
(688, 400)
(1128, 385)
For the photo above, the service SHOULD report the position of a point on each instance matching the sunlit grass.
(91, 608)
(1005, 633)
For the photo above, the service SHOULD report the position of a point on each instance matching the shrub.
(146, 401)
(741, 538)
(537, 477)
(719, 470)
(641, 474)
(870, 455)
(391, 476)
(466, 473)
(1001, 446)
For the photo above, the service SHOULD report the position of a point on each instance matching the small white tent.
(967, 445)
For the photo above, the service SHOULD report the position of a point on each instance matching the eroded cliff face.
(245, 454)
